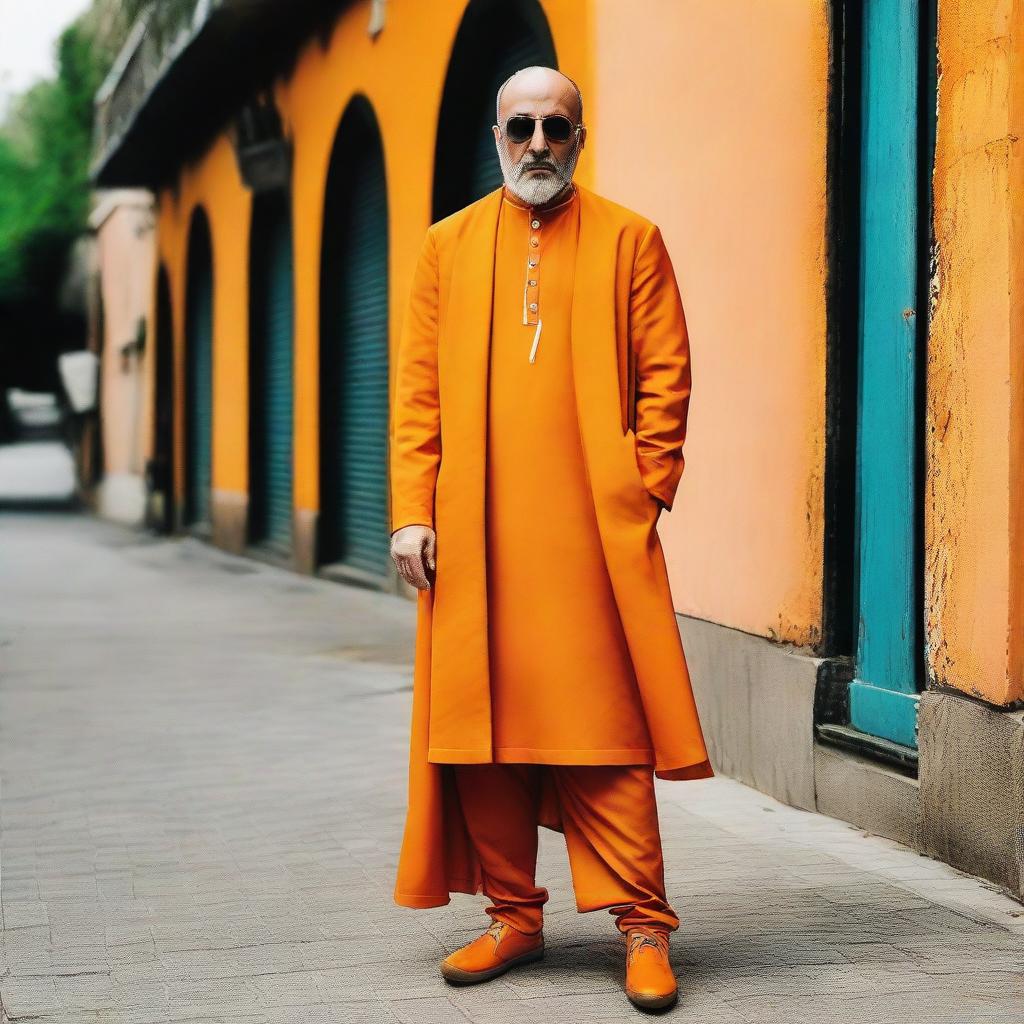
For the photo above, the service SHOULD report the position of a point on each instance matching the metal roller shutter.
(199, 398)
(355, 395)
(273, 379)
(523, 50)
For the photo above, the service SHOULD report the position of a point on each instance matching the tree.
(45, 149)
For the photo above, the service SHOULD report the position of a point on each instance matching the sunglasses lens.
(519, 129)
(557, 128)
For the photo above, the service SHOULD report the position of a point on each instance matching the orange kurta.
(556, 640)
(630, 369)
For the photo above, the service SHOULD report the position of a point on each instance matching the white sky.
(28, 31)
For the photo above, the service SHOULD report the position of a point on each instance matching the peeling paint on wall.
(971, 457)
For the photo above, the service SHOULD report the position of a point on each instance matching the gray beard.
(536, 189)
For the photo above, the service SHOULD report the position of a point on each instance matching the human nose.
(538, 143)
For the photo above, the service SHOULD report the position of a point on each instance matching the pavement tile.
(204, 795)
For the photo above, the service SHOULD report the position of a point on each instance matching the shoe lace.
(495, 930)
(640, 937)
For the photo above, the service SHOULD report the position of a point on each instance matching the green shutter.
(159, 472)
(494, 41)
(523, 50)
(199, 392)
(354, 396)
(272, 309)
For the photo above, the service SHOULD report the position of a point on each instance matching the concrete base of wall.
(867, 794)
(122, 497)
(756, 703)
(304, 529)
(972, 786)
(230, 514)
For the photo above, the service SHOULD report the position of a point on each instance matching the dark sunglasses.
(519, 128)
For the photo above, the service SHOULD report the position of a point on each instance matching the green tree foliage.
(45, 151)
(44, 161)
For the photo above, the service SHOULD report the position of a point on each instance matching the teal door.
(271, 323)
(199, 375)
(896, 156)
(354, 531)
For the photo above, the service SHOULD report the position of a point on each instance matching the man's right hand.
(413, 549)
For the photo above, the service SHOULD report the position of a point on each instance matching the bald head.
(537, 168)
(541, 87)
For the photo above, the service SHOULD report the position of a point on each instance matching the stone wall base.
(966, 807)
(122, 498)
(230, 513)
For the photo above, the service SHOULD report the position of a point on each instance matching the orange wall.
(418, 40)
(724, 153)
(975, 492)
(717, 132)
(402, 74)
(708, 116)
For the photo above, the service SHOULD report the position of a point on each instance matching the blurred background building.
(847, 228)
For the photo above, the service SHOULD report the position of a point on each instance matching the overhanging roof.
(160, 109)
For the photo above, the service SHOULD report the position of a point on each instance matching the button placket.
(531, 280)
(531, 285)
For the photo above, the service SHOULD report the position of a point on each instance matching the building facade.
(845, 224)
(122, 222)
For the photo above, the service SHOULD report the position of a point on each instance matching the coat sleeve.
(662, 352)
(415, 433)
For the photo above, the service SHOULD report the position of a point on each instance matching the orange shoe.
(491, 954)
(650, 981)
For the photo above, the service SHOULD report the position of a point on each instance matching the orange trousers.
(610, 824)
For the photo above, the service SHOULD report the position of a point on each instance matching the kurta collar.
(515, 201)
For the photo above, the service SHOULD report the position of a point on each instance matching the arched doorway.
(353, 523)
(199, 374)
(160, 471)
(495, 39)
(271, 340)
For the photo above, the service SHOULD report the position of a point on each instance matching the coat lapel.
(599, 350)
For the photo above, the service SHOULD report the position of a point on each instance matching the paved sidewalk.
(203, 770)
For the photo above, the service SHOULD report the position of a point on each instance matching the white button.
(533, 241)
(533, 261)
(533, 284)
(533, 306)
(535, 223)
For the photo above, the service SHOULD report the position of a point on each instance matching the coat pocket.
(634, 469)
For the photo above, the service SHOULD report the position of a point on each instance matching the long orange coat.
(631, 370)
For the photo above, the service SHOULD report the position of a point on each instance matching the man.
(539, 412)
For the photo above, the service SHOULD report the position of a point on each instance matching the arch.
(271, 369)
(199, 372)
(495, 39)
(353, 533)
